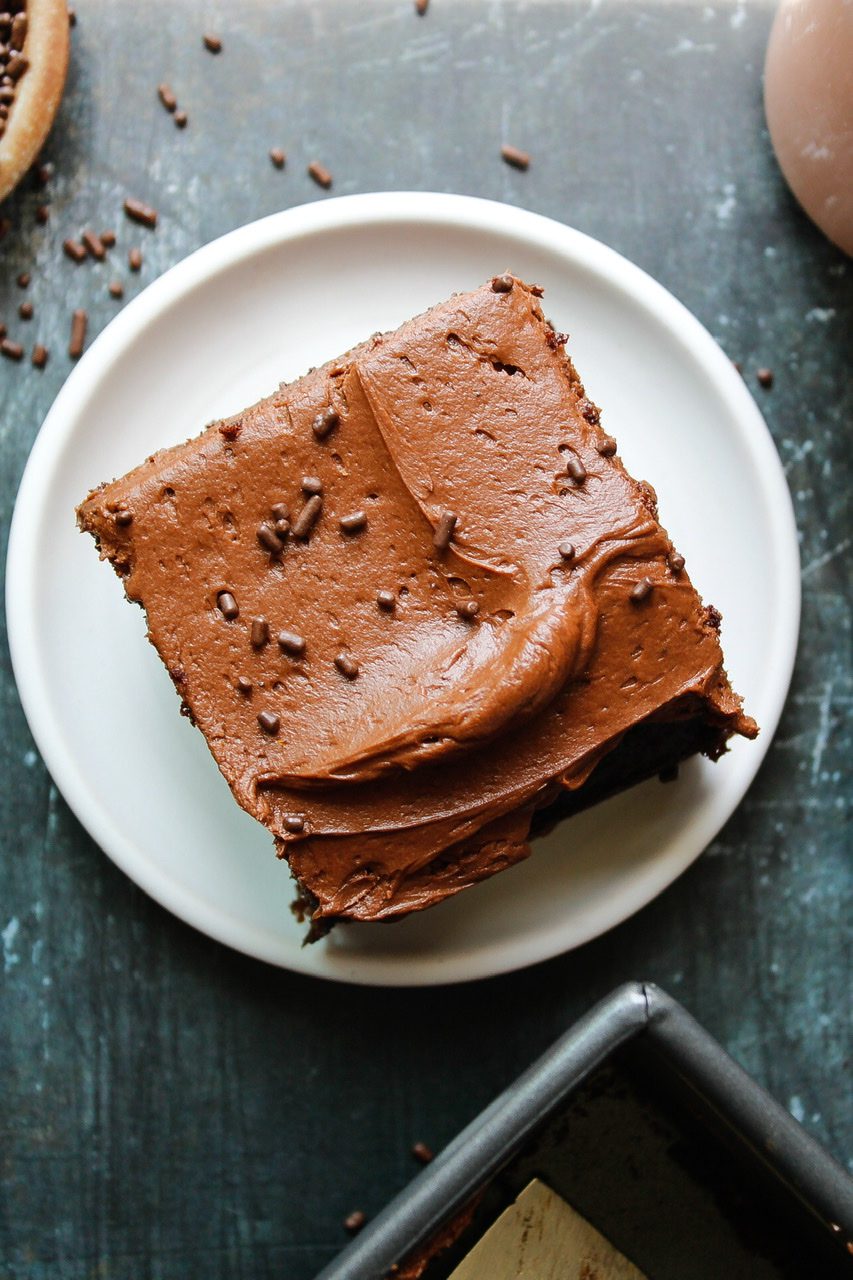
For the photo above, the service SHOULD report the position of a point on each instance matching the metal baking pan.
(643, 1122)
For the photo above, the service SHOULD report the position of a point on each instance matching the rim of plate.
(338, 213)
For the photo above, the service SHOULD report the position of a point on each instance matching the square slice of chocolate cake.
(415, 604)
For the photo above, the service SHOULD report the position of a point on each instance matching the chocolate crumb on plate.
(444, 530)
(227, 606)
(79, 322)
(320, 174)
(11, 350)
(212, 43)
(134, 259)
(422, 1152)
(39, 356)
(354, 1221)
(278, 157)
(167, 97)
(269, 722)
(765, 378)
(137, 211)
(514, 157)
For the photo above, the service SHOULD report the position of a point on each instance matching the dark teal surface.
(170, 1109)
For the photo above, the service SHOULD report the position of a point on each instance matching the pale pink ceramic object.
(808, 97)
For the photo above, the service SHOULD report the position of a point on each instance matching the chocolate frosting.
(504, 672)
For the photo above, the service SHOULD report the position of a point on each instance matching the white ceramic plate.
(223, 328)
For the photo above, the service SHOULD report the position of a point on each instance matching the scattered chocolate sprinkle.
(227, 605)
(167, 97)
(590, 411)
(347, 666)
(244, 685)
(308, 517)
(139, 212)
(269, 722)
(386, 600)
(502, 284)
(575, 469)
(512, 156)
(19, 31)
(124, 517)
(72, 17)
(607, 447)
(42, 175)
(116, 289)
(282, 528)
(269, 539)
(94, 245)
(444, 530)
(42, 214)
(74, 250)
(676, 562)
(353, 523)
(290, 642)
(39, 356)
(11, 350)
(108, 239)
(320, 174)
(16, 66)
(231, 430)
(765, 378)
(355, 1221)
(312, 484)
(325, 422)
(260, 632)
(25, 311)
(421, 7)
(181, 119)
(278, 157)
(468, 609)
(23, 281)
(641, 590)
(134, 259)
(79, 322)
(294, 824)
(280, 511)
(567, 551)
(212, 43)
(422, 1152)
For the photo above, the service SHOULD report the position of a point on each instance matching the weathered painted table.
(172, 1110)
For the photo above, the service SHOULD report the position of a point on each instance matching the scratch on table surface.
(820, 561)
(9, 934)
(823, 729)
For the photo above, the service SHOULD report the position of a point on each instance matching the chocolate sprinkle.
(74, 250)
(181, 119)
(212, 43)
(11, 350)
(575, 469)
(260, 632)
(116, 289)
(502, 284)
(325, 422)
(468, 609)
(39, 356)
(444, 530)
(269, 539)
(312, 484)
(641, 590)
(676, 562)
(567, 551)
(282, 528)
(227, 605)
(79, 321)
(278, 157)
(134, 259)
(386, 600)
(607, 447)
(290, 642)
(353, 523)
(320, 174)
(422, 1152)
(23, 281)
(280, 511)
(515, 158)
(124, 518)
(108, 239)
(244, 685)
(94, 245)
(25, 311)
(765, 378)
(355, 1221)
(167, 97)
(294, 824)
(347, 666)
(42, 214)
(269, 722)
(421, 7)
(139, 212)
(308, 517)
